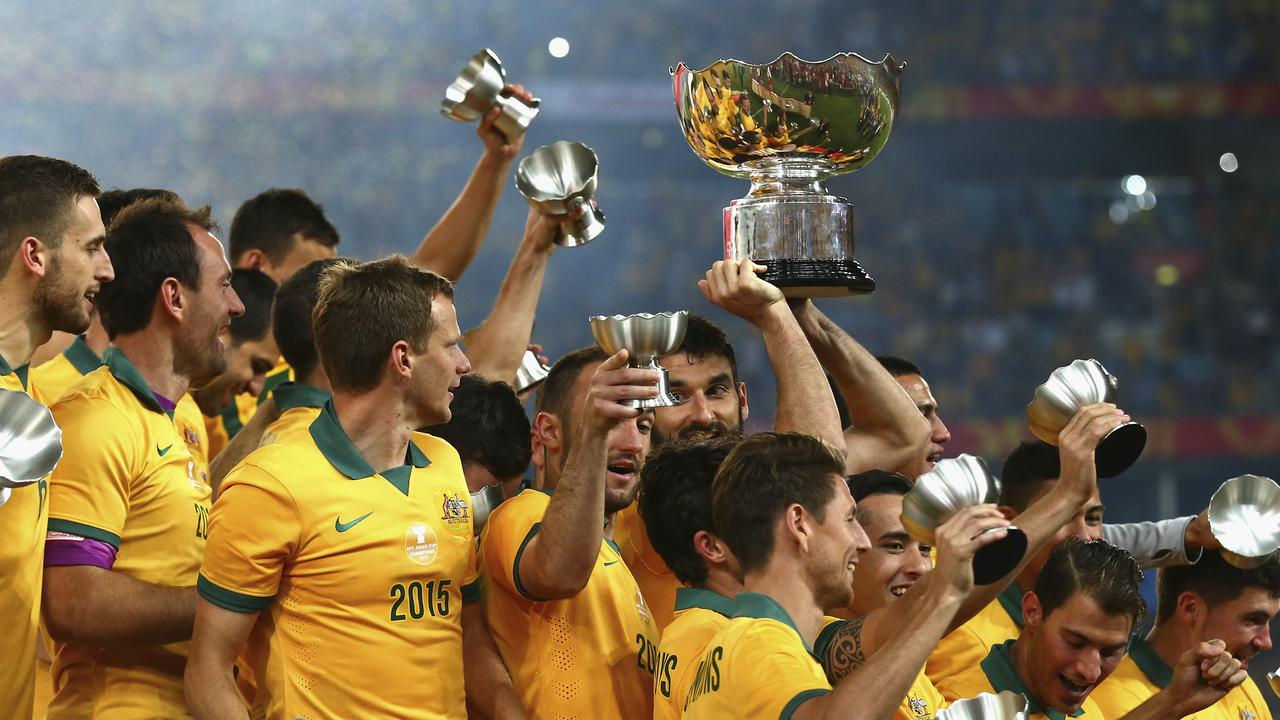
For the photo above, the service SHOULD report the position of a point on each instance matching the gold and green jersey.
(128, 478)
(756, 666)
(966, 646)
(57, 374)
(24, 518)
(922, 702)
(1143, 673)
(658, 584)
(359, 575)
(699, 615)
(996, 673)
(229, 420)
(299, 406)
(589, 657)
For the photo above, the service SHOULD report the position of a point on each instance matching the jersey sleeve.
(89, 489)
(254, 529)
(510, 528)
(772, 674)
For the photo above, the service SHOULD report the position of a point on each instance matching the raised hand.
(495, 142)
(960, 537)
(735, 286)
(1078, 441)
(613, 382)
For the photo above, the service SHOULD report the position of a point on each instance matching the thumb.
(615, 361)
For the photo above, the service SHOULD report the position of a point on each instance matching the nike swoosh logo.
(611, 562)
(164, 450)
(343, 527)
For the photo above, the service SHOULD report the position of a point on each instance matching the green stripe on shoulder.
(230, 599)
(87, 531)
(799, 700)
(823, 642)
(515, 570)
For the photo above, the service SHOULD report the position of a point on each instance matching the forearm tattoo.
(844, 651)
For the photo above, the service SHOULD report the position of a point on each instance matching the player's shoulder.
(528, 505)
(436, 449)
(97, 399)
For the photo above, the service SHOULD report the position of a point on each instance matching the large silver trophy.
(646, 337)
(30, 442)
(560, 179)
(478, 88)
(788, 126)
(1244, 516)
(951, 486)
(1070, 388)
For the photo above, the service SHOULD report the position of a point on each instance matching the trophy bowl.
(646, 337)
(478, 88)
(1004, 705)
(30, 442)
(787, 126)
(952, 485)
(483, 501)
(1070, 388)
(1273, 679)
(531, 372)
(560, 179)
(1244, 515)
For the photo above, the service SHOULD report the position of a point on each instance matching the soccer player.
(565, 611)
(351, 545)
(1078, 623)
(1209, 600)
(918, 390)
(128, 508)
(490, 431)
(52, 263)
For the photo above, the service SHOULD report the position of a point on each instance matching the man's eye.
(894, 547)
(718, 391)
(677, 397)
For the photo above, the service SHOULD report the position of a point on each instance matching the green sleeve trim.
(87, 531)
(471, 592)
(823, 642)
(231, 600)
(799, 700)
(515, 570)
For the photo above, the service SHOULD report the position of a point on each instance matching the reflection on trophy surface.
(30, 442)
(788, 126)
(1070, 388)
(646, 337)
(531, 372)
(478, 89)
(1004, 705)
(1244, 516)
(951, 486)
(483, 501)
(560, 179)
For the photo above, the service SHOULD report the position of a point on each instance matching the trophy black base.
(998, 559)
(808, 277)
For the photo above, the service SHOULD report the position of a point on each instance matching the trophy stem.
(664, 397)
(789, 176)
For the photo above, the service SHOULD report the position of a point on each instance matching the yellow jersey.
(24, 518)
(359, 575)
(756, 666)
(57, 374)
(699, 615)
(127, 478)
(922, 702)
(966, 646)
(280, 374)
(588, 657)
(299, 406)
(657, 583)
(228, 421)
(1143, 673)
(996, 673)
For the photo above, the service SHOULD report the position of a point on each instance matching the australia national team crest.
(455, 513)
(919, 708)
(1246, 714)
(420, 543)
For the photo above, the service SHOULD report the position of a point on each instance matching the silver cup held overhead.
(951, 486)
(30, 442)
(560, 179)
(1070, 388)
(788, 126)
(1244, 516)
(531, 372)
(646, 338)
(478, 88)
(1004, 705)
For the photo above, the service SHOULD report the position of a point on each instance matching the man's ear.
(1190, 607)
(34, 256)
(401, 359)
(253, 259)
(795, 523)
(710, 547)
(1008, 512)
(547, 434)
(742, 400)
(171, 298)
(1032, 611)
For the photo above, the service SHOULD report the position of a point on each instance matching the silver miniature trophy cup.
(1244, 516)
(1004, 705)
(646, 337)
(478, 88)
(1070, 388)
(30, 442)
(531, 372)
(560, 179)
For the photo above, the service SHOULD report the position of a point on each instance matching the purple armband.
(62, 548)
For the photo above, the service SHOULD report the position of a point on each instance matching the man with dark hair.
(566, 612)
(280, 230)
(128, 504)
(51, 264)
(1211, 600)
(1078, 623)
(913, 382)
(361, 524)
(490, 432)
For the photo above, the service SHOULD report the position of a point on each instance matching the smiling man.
(1206, 601)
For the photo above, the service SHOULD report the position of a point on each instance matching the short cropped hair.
(488, 427)
(37, 195)
(274, 220)
(257, 291)
(1026, 470)
(556, 394)
(113, 201)
(876, 482)
(674, 499)
(761, 477)
(148, 242)
(704, 339)
(1105, 573)
(897, 366)
(291, 316)
(1213, 579)
(366, 308)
